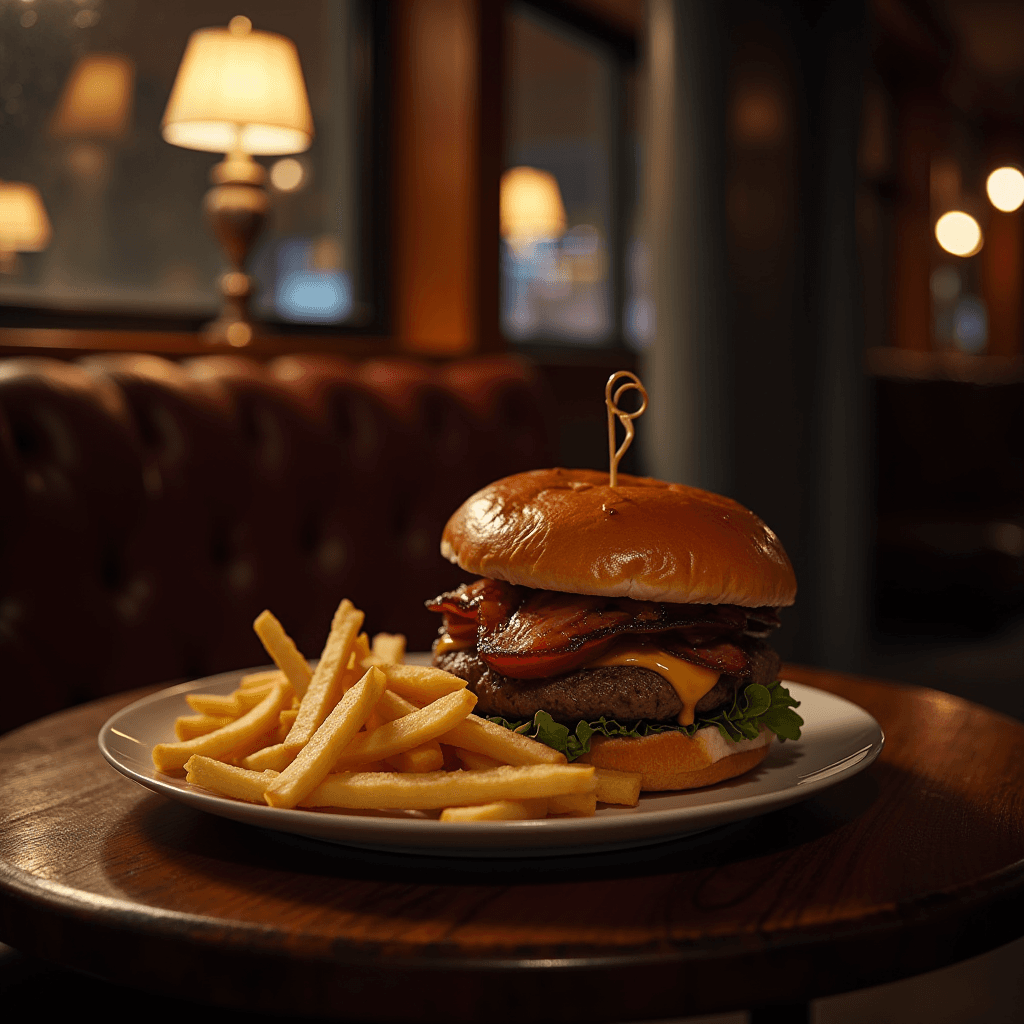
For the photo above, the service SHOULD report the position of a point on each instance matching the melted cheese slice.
(446, 644)
(690, 681)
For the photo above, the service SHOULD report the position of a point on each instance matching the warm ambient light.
(97, 98)
(287, 174)
(239, 90)
(1005, 187)
(531, 206)
(24, 226)
(242, 93)
(958, 233)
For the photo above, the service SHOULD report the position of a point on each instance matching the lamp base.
(236, 208)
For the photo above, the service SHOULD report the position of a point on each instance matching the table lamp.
(24, 226)
(531, 207)
(241, 93)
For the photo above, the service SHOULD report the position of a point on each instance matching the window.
(570, 272)
(127, 232)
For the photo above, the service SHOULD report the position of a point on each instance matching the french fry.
(281, 648)
(226, 779)
(392, 706)
(474, 761)
(409, 731)
(425, 758)
(421, 684)
(271, 675)
(483, 737)
(284, 722)
(324, 688)
(254, 723)
(237, 754)
(188, 727)
(232, 705)
(574, 805)
(276, 757)
(614, 787)
(392, 791)
(363, 730)
(316, 758)
(388, 649)
(499, 810)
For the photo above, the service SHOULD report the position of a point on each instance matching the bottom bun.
(671, 760)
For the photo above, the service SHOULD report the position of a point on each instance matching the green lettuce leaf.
(752, 707)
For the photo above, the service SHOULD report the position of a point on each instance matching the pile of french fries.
(364, 731)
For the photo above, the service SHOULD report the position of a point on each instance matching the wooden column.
(918, 136)
(447, 162)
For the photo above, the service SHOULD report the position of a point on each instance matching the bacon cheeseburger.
(624, 626)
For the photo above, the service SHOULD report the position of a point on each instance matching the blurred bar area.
(801, 222)
(257, 342)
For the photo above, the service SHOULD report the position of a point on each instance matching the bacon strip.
(533, 634)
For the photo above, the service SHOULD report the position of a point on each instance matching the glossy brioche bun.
(670, 760)
(567, 530)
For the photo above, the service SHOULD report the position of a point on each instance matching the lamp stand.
(236, 208)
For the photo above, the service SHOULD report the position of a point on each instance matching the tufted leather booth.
(151, 509)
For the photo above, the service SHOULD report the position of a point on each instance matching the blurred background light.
(24, 226)
(959, 233)
(287, 174)
(1005, 187)
(531, 207)
(970, 325)
(97, 98)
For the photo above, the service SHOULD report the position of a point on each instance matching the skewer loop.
(611, 400)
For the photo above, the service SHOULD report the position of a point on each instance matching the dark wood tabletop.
(916, 863)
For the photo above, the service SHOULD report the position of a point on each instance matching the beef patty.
(627, 693)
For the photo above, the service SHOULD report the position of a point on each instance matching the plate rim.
(622, 828)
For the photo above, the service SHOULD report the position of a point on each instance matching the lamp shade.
(237, 89)
(97, 98)
(24, 226)
(531, 206)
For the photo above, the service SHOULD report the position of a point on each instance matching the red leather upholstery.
(149, 510)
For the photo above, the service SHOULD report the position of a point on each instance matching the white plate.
(839, 739)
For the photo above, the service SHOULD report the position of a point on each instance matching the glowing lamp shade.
(239, 90)
(97, 98)
(958, 233)
(1005, 188)
(531, 206)
(24, 226)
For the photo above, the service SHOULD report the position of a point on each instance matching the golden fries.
(325, 687)
(188, 727)
(392, 791)
(388, 649)
(281, 648)
(408, 731)
(365, 731)
(315, 759)
(483, 737)
(226, 779)
(420, 684)
(618, 787)
(500, 810)
(172, 756)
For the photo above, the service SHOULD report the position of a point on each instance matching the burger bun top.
(567, 530)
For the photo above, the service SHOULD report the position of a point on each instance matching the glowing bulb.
(287, 175)
(1005, 187)
(958, 233)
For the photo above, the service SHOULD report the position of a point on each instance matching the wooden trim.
(60, 343)
(436, 126)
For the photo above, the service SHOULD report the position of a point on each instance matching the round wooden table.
(914, 864)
